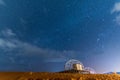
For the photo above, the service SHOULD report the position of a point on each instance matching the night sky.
(41, 35)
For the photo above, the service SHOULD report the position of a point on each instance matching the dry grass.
(56, 76)
(69, 76)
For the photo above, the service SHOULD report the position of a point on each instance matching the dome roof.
(69, 64)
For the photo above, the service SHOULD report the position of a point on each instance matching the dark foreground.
(55, 76)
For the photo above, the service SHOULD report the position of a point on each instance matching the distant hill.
(112, 73)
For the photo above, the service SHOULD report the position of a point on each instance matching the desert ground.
(55, 76)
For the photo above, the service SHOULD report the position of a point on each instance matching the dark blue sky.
(42, 35)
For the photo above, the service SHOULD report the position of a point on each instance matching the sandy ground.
(55, 76)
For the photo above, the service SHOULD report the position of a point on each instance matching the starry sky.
(41, 35)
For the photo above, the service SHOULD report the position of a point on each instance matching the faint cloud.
(116, 8)
(6, 37)
(23, 21)
(26, 49)
(117, 19)
(2, 3)
(7, 33)
(12, 59)
(48, 54)
(98, 39)
(56, 60)
(8, 42)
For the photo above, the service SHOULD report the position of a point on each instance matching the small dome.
(92, 71)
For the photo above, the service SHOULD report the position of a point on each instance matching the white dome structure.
(74, 64)
(92, 71)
